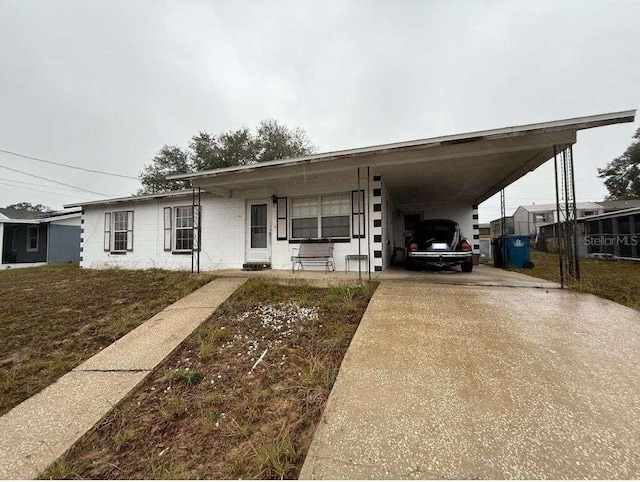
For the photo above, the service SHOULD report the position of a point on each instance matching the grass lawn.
(617, 281)
(54, 317)
(240, 398)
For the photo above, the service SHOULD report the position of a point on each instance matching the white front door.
(258, 238)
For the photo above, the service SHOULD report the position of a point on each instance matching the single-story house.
(530, 218)
(31, 239)
(614, 234)
(363, 200)
(619, 205)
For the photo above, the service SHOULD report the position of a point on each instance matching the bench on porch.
(313, 252)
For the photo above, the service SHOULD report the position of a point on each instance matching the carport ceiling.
(471, 179)
(465, 167)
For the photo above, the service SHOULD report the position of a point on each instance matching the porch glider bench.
(313, 252)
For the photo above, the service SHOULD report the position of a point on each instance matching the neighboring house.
(30, 239)
(527, 219)
(614, 234)
(363, 200)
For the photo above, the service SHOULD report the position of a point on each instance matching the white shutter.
(107, 231)
(129, 230)
(168, 231)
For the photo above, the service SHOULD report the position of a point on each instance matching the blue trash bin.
(517, 250)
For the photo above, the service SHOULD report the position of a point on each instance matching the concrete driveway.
(497, 382)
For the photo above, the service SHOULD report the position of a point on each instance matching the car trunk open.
(435, 235)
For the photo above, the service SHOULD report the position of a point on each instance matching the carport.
(445, 176)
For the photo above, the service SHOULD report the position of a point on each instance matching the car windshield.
(435, 231)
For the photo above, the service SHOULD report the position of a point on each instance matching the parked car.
(439, 243)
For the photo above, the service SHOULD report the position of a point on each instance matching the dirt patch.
(240, 398)
(54, 317)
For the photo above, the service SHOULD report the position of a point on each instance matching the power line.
(41, 190)
(51, 180)
(67, 165)
(37, 184)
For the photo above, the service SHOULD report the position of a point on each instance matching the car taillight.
(465, 245)
(413, 246)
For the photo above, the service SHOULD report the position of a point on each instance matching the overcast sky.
(104, 84)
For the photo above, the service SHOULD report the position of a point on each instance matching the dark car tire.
(467, 266)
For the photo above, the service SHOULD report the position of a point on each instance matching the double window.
(326, 216)
(179, 232)
(118, 231)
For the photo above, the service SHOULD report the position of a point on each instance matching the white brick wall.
(282, 250)
(223, 229)
(222, 235)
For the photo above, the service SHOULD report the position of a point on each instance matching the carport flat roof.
(468, 167)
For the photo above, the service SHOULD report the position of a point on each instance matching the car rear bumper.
(439, 258)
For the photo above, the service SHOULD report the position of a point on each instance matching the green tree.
(622, 175)
(31, 208)
(277, 141)
(233, 148)
(170, 160)
(271, 141)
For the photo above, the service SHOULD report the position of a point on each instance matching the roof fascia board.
(22, 221)
(62, 217)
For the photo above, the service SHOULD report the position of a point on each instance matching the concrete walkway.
(450, 382)
(482, 275)
(42, 428)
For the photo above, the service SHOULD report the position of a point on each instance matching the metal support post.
(570, 224)
(503, 228)
(566, 225)
(559, 235)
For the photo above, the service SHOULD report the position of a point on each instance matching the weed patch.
(265, 365)
(56, 316)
